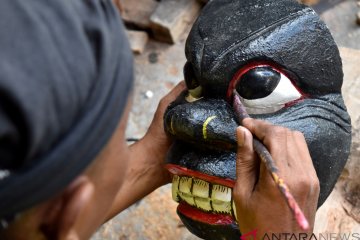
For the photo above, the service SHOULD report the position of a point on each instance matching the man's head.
(84, 204)
(64, 89)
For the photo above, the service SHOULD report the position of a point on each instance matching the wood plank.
(138, 40)
(172, 17)
(137, 13)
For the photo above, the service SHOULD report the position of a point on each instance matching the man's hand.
(145, 166)
(259, 203)
(156, 141)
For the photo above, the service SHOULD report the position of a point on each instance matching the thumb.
(246, 162)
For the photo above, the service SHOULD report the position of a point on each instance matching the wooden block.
(171, 18)
(138, 40)
(137, 13)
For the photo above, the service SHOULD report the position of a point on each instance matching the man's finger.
(259, 128)
(246, 162)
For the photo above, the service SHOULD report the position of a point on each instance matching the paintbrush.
(269, 162)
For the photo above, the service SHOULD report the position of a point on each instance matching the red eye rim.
(250, 66)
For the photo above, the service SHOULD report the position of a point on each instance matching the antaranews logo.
(252, 235)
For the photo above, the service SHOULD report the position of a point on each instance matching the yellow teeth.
(221, 193)
(203, 204)
(188, 198)
(185, 184)
(221, 207)
(200, 188)
(175, 187)
(203, 195)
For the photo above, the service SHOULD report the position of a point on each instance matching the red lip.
(198, 215)
(182, 171)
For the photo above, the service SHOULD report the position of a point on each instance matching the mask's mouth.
(206, 130)
(202, 197)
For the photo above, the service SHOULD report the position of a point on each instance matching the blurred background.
(157, 31)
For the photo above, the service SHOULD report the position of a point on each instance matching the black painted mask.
(286, 66)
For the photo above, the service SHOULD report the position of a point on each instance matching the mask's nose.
(194, 87)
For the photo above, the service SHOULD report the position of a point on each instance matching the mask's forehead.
(223, 22)
(229, 21)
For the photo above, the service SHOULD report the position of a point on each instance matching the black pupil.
(258, 83)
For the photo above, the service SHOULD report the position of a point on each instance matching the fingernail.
(240, 135)
(234, 210)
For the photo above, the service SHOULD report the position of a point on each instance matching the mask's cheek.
(327, 140)
(329, 149)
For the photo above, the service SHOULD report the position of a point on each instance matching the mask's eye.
(265, 90)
